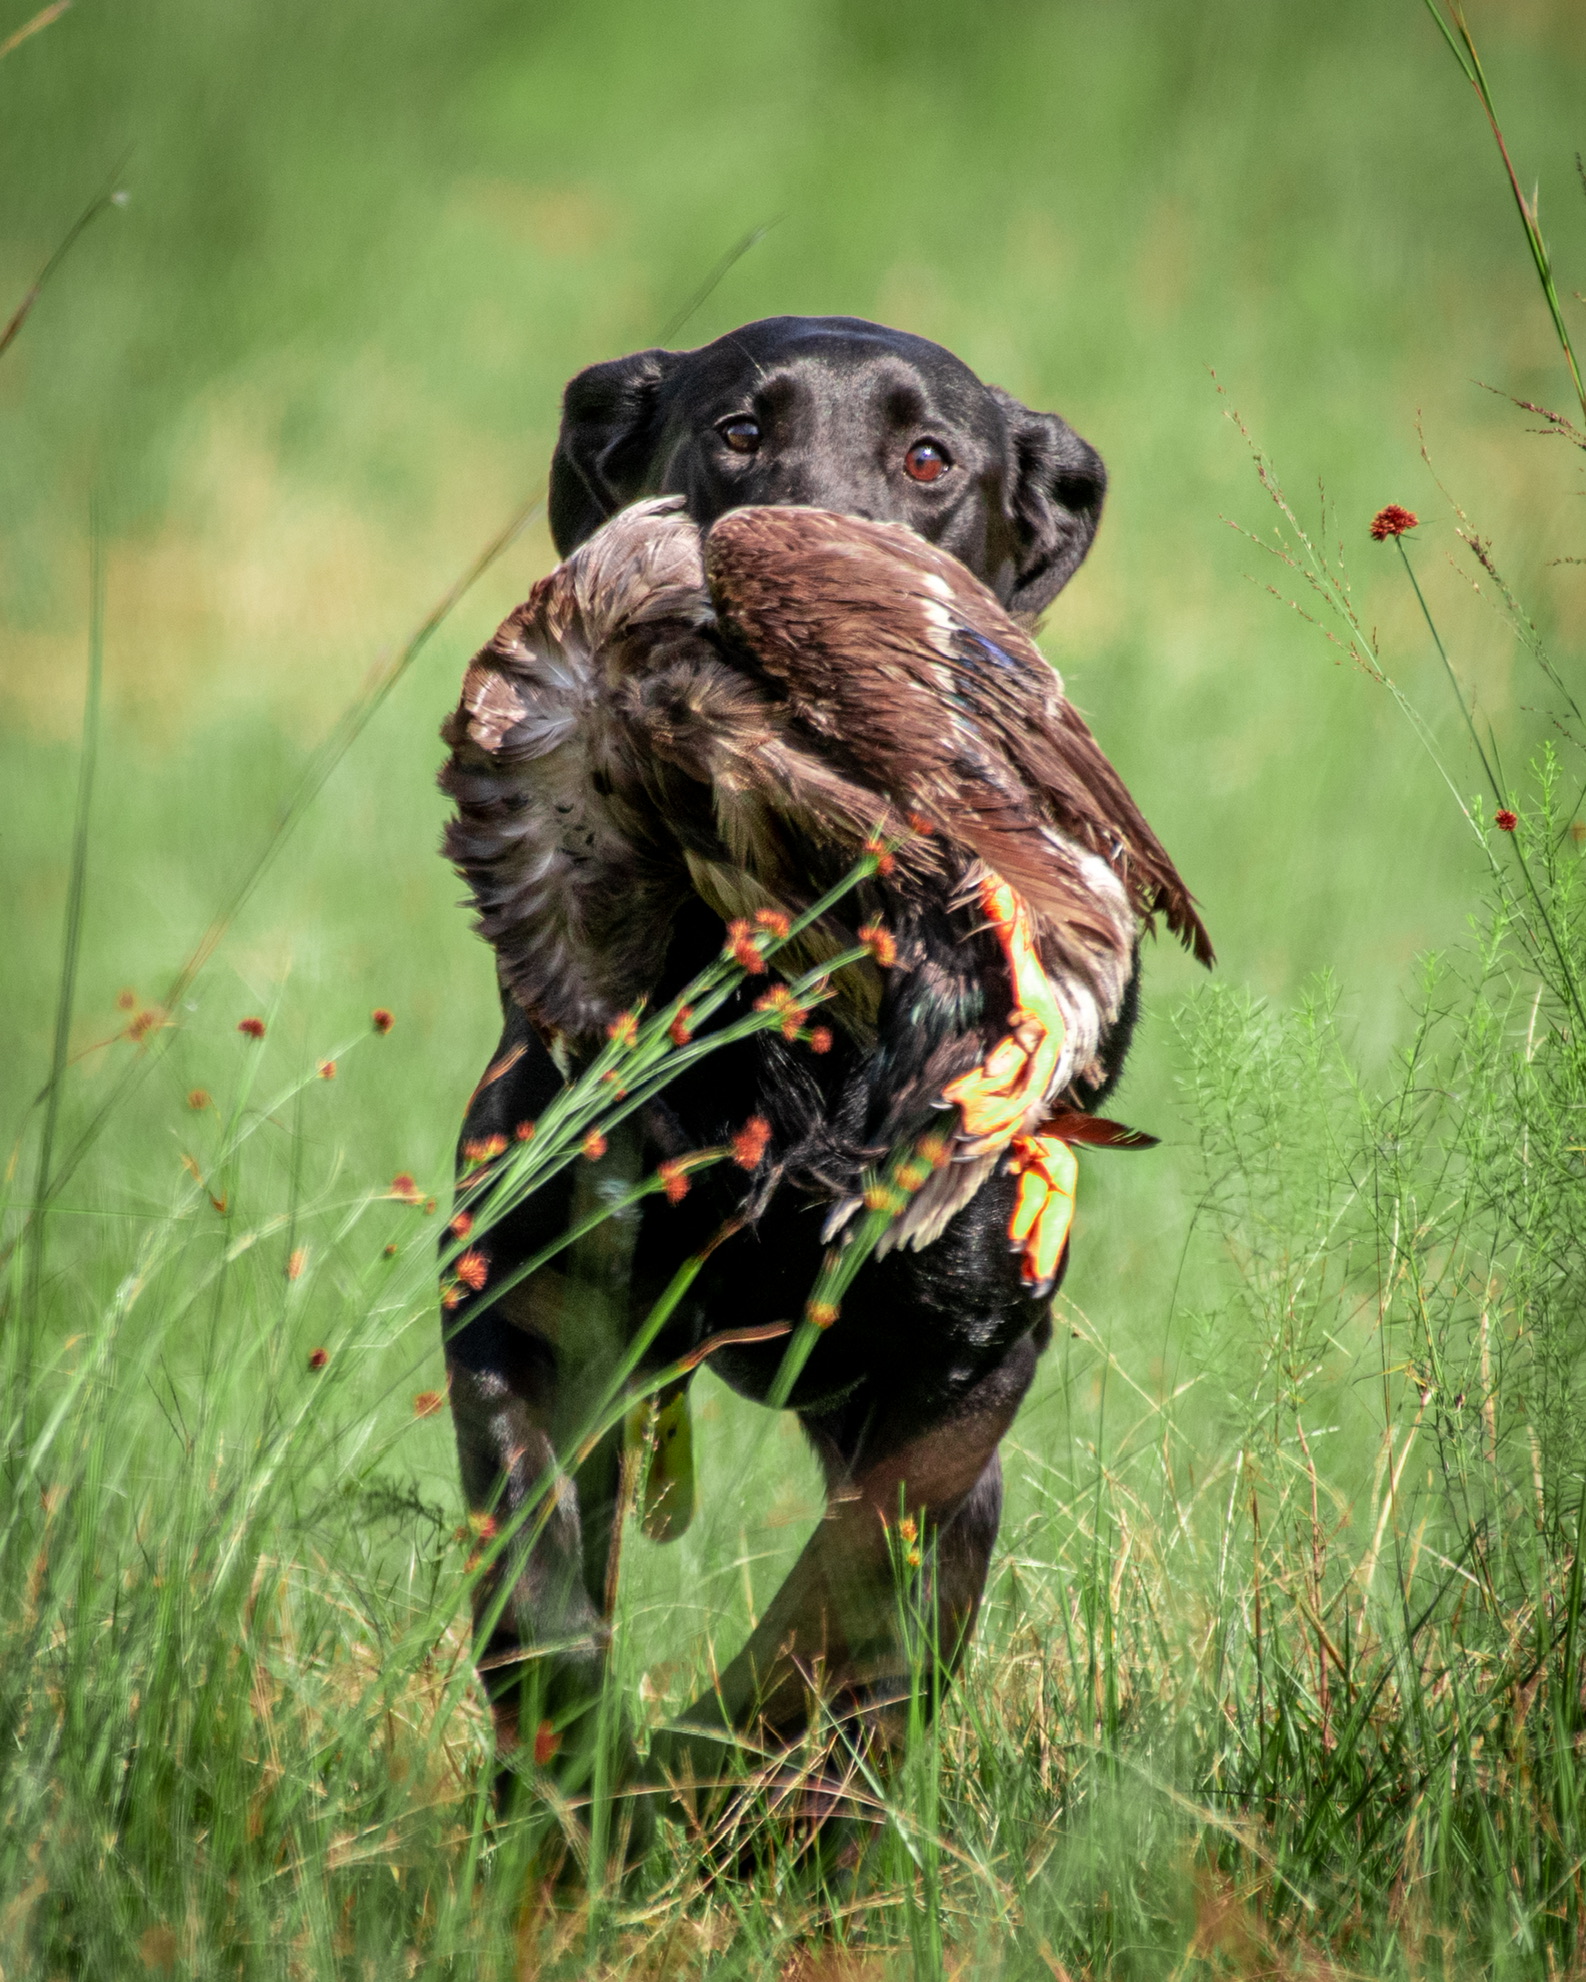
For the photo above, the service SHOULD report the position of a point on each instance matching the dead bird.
(733, 718)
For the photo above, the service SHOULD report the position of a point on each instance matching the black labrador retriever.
(906, 1406)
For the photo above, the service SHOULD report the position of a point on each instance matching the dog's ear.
(602, 451)
(1055, 488)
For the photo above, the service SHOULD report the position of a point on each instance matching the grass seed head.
(749, 1144)
(742, 947)
(881, 853)
(880, 942)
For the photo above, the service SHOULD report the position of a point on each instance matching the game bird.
(734, 717)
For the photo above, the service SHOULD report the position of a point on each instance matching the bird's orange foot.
(1043, 1211)
(996, 1097)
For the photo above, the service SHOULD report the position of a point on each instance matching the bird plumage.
(733, 715)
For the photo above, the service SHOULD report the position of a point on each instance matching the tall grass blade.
(72, 934)
(1463, 46)
(112, 195)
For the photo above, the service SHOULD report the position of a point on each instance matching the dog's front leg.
(540, 1636)
(530, 1377)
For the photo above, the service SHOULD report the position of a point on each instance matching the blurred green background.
(314, 363)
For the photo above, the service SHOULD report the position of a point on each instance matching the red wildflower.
(680, 1031)
(1506, 821)
(748, 1145)
(198, 1100)
(318, 1358)
(427, 1403)
(546, 1743)
(462, 1224)
(822, 1313)
(675, 1178)
(327, 1069)
(523, 1131)
(882, 854)
(594, 1145)
(820, 1039)
(403, 1187)
(381, 1019)
(880, 943)
(482, 1526)
(624, 1029)
(773, 922)
(483, 1149)
(473, 1269)
(1392, 522)
(451, 1295)
(921, 824)
(251, 1028)
(742, 948)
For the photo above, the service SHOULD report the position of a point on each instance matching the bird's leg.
(997, 1097)
(1043, 1211)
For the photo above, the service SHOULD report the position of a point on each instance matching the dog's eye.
(742, 436)
(926, 461)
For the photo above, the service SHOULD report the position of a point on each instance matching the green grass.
(1281, 1671)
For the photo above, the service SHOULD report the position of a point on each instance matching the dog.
(906, 1406)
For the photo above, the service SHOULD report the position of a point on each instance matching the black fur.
(911, 1393)
(839, 402)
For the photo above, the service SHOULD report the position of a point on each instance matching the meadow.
(1281, 1670)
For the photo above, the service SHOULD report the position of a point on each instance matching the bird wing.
(907, 670)
(574, 877)
(606, 761)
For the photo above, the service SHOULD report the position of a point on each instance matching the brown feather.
(894, 652)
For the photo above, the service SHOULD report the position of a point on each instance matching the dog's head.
(834, 413)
